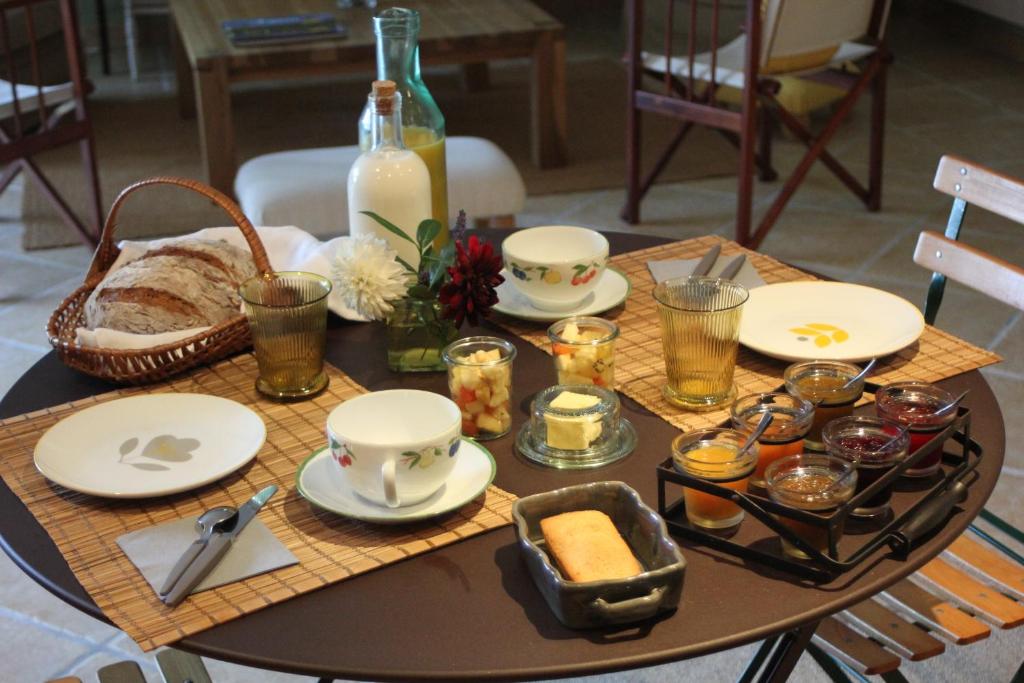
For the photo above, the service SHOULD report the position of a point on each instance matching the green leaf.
(390, 227)
(129, 445)
(421, 292)
(427, 232)
(405, 264)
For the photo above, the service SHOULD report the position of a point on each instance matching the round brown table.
(470, 610)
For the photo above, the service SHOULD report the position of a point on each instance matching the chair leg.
(631, 210)
(88, 150)
(58, 202)
(765, 122)
(745, 190)
(874, 201)
(9, 174)
(129, 39)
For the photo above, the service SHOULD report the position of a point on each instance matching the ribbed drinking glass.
(287, 314)
(700, 326)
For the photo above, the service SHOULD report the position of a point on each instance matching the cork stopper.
(384, 97)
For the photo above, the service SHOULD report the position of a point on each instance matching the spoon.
(762, 424)
(209, 522)
(860, 375)
(954, 404)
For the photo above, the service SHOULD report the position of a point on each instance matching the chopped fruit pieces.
(481, 384)
(583, 358)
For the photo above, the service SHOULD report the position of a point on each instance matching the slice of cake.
(586, 546)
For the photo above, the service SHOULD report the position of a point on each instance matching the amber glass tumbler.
(700, 327)
(287, 314)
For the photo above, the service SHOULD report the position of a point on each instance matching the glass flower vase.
(416, 336)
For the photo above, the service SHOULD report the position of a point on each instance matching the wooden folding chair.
(810, 39)
(979, 580)
(35, 117)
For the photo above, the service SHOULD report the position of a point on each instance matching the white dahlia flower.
(367, 275)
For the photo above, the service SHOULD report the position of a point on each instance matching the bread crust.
(586, 546)
(181, 285)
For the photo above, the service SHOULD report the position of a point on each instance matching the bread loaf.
(182, 284)
(587, 547)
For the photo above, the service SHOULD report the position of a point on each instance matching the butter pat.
(570, 400)
(572, 433)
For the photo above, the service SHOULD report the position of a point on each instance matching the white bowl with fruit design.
(480, 381)
(555, 266)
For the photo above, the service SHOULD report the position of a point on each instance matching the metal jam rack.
(923, 508)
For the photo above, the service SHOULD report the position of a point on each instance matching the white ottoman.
(307, 187)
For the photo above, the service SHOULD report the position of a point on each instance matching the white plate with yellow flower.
(149, 445)
(811, 320)
(321, 482)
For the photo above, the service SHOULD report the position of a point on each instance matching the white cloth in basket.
(288, 248)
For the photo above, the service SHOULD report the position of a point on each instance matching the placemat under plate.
(329, 548)
(640, 367)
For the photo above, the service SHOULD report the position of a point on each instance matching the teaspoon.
(762, 424)
(861, 375)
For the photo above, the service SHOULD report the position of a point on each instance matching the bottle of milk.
(389, 179)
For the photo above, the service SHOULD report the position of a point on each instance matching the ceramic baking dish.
(599, 603)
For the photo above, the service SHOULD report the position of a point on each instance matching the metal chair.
(812, 39)
(35, 117)
(992, 588)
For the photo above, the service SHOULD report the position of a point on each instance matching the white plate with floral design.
(612, 289)
(150, 445)
(321, 481)
(812, 320)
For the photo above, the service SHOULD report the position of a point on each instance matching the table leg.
(548, 102)
(183, 72)
(216, 132)
(784, 653)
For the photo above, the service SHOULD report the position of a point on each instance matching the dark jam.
(871, 466)
(919, 415)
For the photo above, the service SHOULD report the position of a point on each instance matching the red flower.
(469, 293)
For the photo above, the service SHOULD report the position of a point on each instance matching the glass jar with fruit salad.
(584, 350)
(480, 381)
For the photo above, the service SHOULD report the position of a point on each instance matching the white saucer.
(149, 445)
(321, 482)
(612, 289)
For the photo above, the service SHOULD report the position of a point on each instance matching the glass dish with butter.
(576, 426)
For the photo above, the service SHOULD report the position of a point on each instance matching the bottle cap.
(384, 96)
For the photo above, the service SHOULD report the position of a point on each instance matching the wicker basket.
(142, 366)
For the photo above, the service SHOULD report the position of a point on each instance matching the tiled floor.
(943, 98)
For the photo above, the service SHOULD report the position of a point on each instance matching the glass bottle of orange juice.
(398, 59)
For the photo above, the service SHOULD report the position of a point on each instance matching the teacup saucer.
(611, 290)
(321, 482)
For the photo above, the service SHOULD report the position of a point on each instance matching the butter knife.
(216, 548)
(731, 270)
(707, 262)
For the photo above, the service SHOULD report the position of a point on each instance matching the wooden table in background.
(466, 32)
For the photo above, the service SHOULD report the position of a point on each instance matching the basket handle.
(107, 251)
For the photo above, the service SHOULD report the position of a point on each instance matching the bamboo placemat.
(640, 369)
(329, 548)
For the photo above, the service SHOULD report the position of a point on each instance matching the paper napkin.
(666, 270)
(155, 550)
